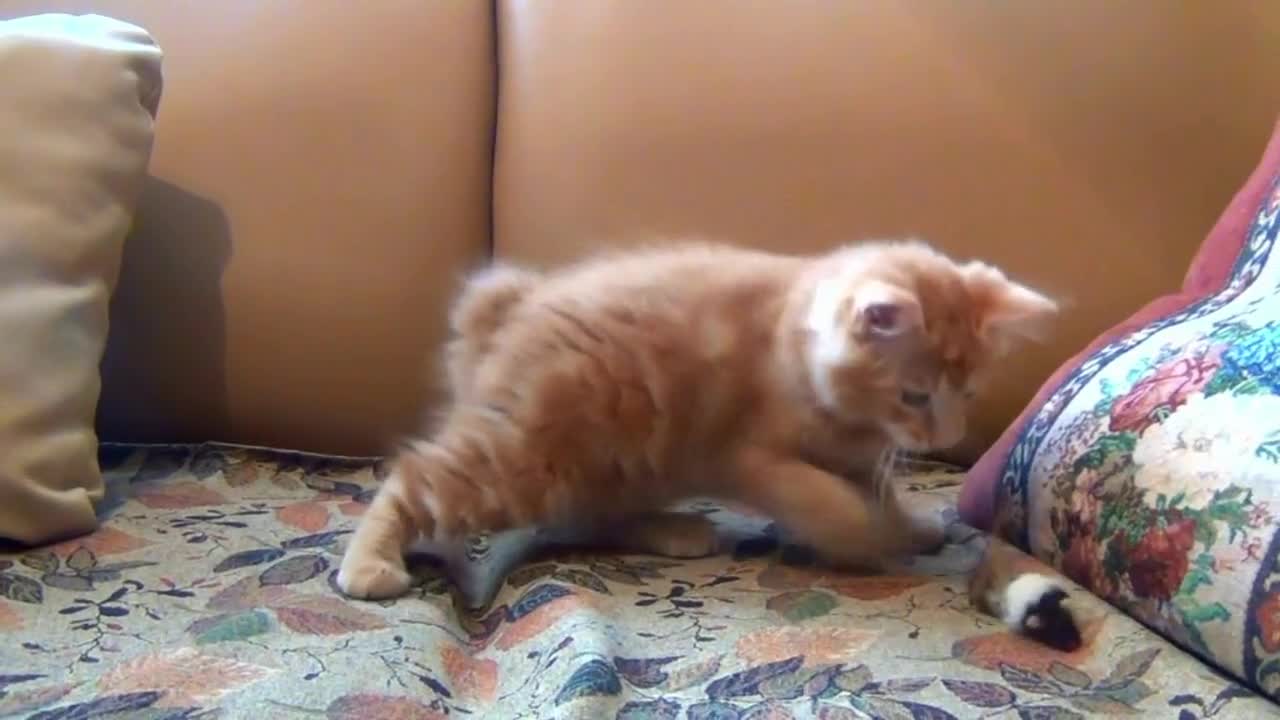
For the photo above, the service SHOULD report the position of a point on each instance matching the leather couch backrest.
(1087, 147)
(322, 180)
(325, 170)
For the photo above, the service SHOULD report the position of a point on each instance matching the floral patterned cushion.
(1151, 473)
(1212, 270)
(208, 592)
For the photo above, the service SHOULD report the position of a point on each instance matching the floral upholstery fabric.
(208, 592)
(1152, 475)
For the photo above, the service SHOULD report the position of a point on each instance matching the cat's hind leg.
(373, 566)
(477, 476)
(440, 492)
(680, 535)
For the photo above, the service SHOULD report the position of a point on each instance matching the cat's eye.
(914, 399)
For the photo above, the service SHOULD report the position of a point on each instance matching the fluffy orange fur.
(601, 393)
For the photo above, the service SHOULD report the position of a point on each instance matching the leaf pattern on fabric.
(294, 570)
(827, 711)
(1072, 677)
(712, 710)
(43, 560)
(802, 605)
(27, 700)
(1131, 667)
(992, 650)
(471, 677)
(747, 682)
(309, 517)
(854, 680)
(106, 541)
(660, 709)
(72, 583)
(246, 594)
(536, 611)
(184, 676)
(896, 687)
(352, 509)
(804, 682)
(316, 540)
(101, 707)
(179, 496)
(528, 574)
(1047, 712)
(767, 710)
(21, 589)
(783, 577)
(241, 474)
(593, 678)
(694, 672)
(920, 711)
(816, 645)
(323, 615)
(980, 694)
(644, 672)
(248, 558)
(875, 588)
(10, 617)
(1030, 681)
(207, 462)
(178, 612)
(581, 578)
(230, 627)
(367, 706)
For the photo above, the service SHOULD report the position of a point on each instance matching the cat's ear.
(886, 311)
(1007, 312)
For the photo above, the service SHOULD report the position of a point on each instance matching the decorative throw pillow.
(78, 96)
(1148, 468)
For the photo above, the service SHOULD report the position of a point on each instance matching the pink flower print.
(1260, 515)
(1253, 550)
(1166, 388)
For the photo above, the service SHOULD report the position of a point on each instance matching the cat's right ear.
(885, 311)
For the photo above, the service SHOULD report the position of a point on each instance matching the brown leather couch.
(326, 170)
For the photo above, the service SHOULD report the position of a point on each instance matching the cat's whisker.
(883, 473)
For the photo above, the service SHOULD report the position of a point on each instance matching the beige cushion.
(78, 96)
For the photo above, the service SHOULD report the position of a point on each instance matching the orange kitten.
(599, 394)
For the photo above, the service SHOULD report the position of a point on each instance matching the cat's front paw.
(367, 577)
(690, 542)
(927, 537)
(675, 535)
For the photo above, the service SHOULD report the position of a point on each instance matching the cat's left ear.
(1007, 312)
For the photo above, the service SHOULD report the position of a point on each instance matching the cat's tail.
(488, 299)
(1030, 603)
(483, 308)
